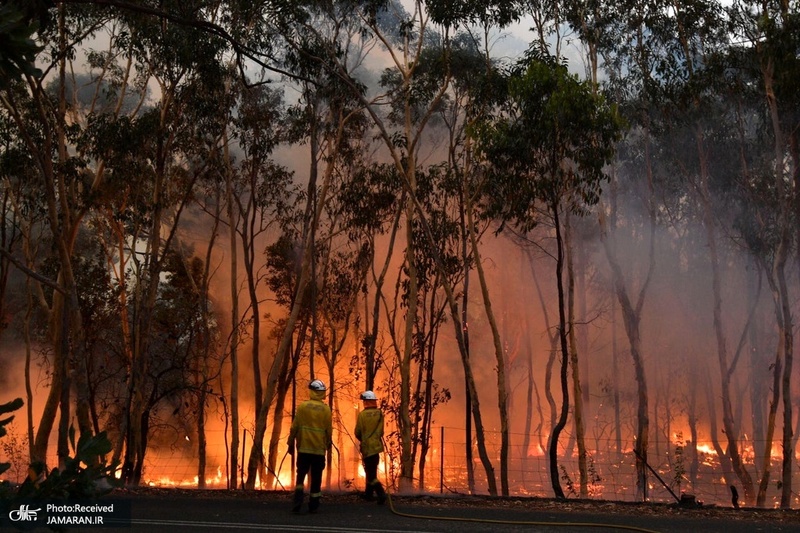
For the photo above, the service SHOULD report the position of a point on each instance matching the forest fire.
(548, 278)
(217, 481)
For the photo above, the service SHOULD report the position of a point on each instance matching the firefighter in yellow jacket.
(369, 431)
(311, 436)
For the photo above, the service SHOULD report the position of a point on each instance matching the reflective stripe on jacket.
(311, 428)
(369, 430)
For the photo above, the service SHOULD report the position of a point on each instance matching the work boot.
(313, 504)
(381, 494)
(367, 494)
(298, 501)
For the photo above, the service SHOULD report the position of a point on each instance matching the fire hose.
(496, 521)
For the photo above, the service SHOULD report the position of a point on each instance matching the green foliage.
(17, 49)
(550, 145)
(84, 475)
(486, 12)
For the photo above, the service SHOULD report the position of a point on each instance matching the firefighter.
(369, 432)
(311, 436)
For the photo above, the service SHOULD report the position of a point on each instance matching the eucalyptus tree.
(328, 118)
(686, 43)
(13, 164)
(341, 275)
(19, 50)
(81, 164)
(405, 36)
(426, 393)
(283, 266)
(172, 150)
(471, 90)
(186, 358)
(779, 67)
(402, 36)
(24, 243)
(476, 83)
(40, 118)
(341, 254)
(468, 185)
(413, 108)
(369, 206)
(206, 354)
(768, 63)
(111, 112)
(632, 306)
(623, 43)
(260, 195)
(440, 266)
(545, 156)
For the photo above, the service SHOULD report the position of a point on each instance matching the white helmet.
(368, 395)
(317, 384)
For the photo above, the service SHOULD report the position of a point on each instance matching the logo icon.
(24, 514)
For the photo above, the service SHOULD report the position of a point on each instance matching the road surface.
(200, 511)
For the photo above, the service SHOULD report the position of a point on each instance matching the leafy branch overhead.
(550, 145)
(18, 50)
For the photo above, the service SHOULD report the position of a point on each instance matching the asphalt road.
(183, 514)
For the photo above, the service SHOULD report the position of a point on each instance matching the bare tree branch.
(31, 273)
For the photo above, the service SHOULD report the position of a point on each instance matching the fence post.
(241, 464)
(441, 460)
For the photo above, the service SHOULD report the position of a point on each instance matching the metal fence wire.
(676, 468)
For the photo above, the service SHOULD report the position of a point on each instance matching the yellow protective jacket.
(369, 430)
(312, 429)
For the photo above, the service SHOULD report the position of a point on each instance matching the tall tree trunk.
(406, 457)
(724, 459)
(552, 445)
(234, 337)
(786, 388)
(466, 265)
(201, 437)
(632, 314)
(313, 215)
(766, 459)
(728, 421)
(631, 318)
(285, 384)
(370, 362)
(529, 391)
(202, 373)
(459, 328)
(573, 352)
(26, 331)
(758, 384)
(691, 415)
(786, 197)
(551, 357)
(502, 391)
(65, 330)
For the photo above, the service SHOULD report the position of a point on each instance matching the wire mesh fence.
(675, 468)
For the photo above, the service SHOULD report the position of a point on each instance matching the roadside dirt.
(789, 518)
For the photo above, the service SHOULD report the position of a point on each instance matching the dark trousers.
(371, 471)
(315, 464)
